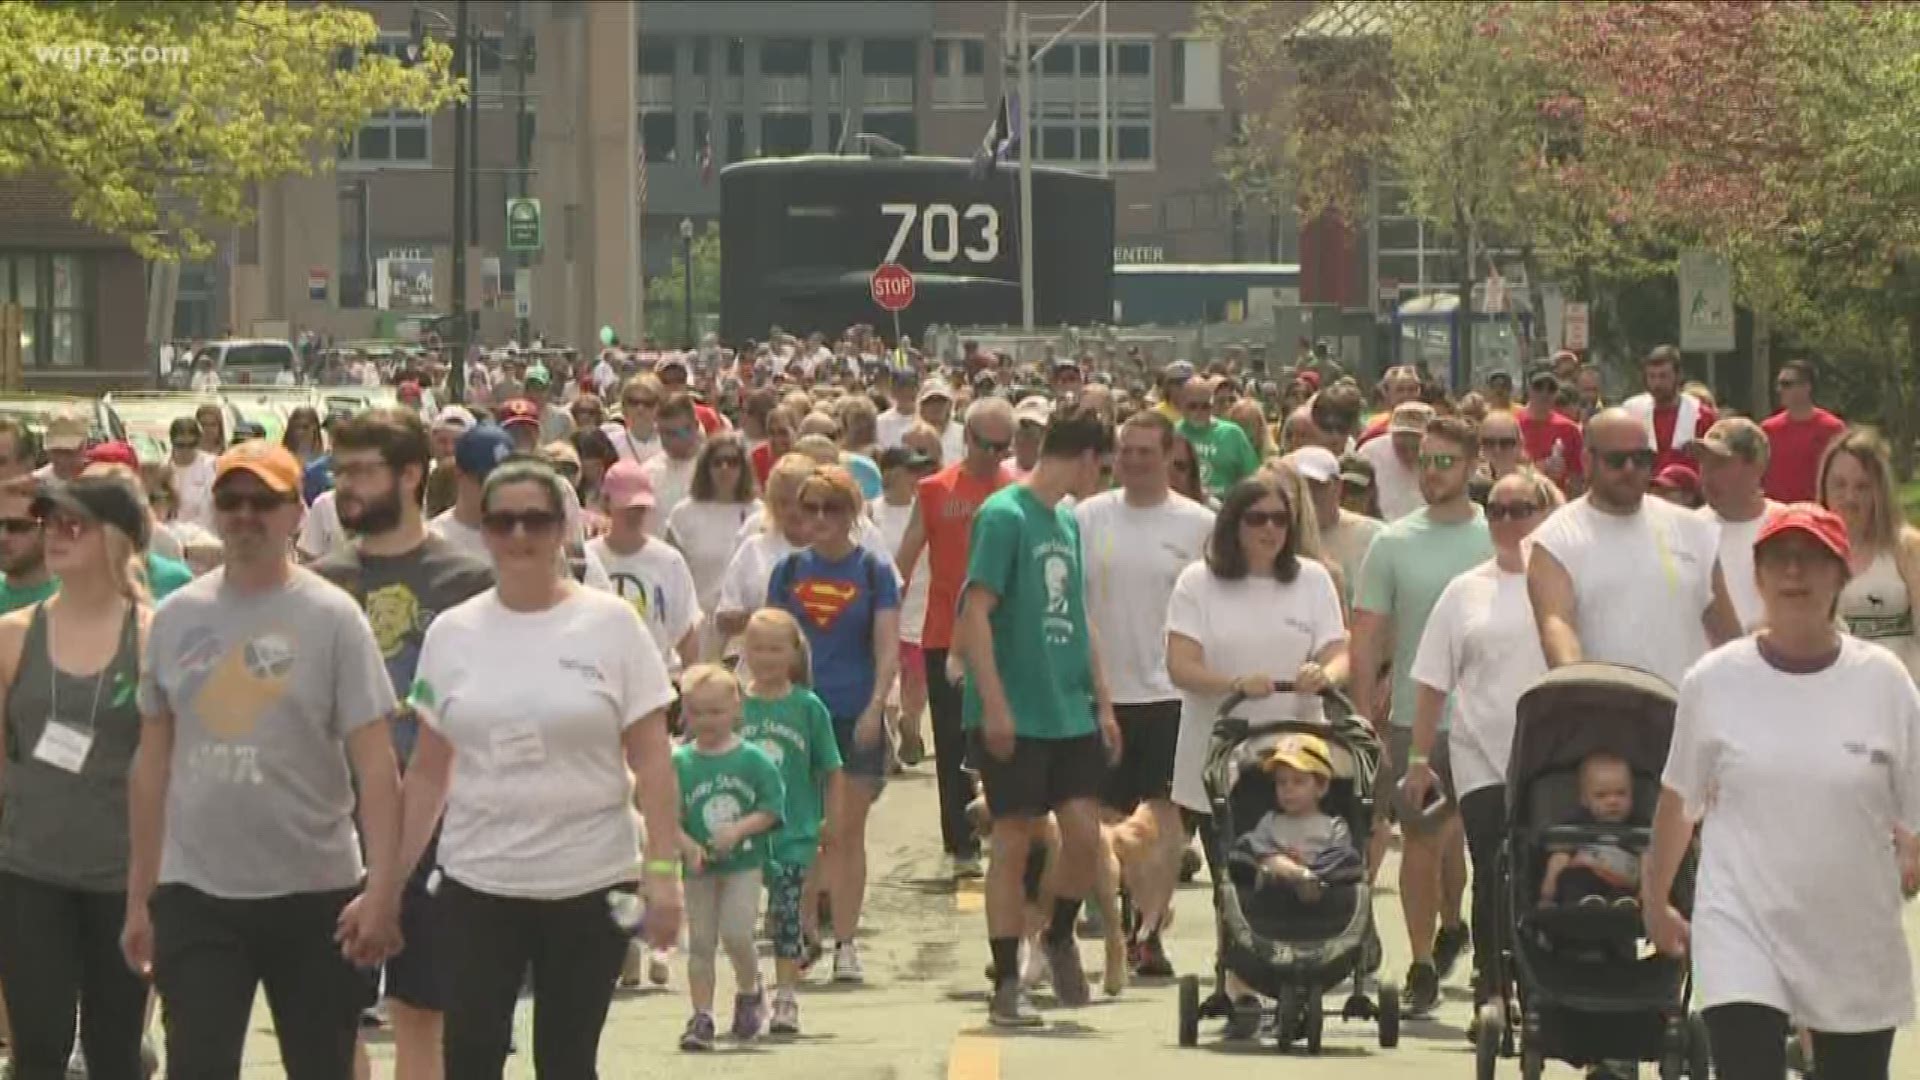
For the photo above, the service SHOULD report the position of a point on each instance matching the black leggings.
(955, 785)
(1483, 813)
(1750, 1043)
(60, 948)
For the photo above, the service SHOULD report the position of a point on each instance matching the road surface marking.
(970, 897)
(974, 1058)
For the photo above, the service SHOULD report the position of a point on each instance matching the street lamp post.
(686, 254)
(457, 376)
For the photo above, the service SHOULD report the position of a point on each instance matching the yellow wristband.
(668, 867)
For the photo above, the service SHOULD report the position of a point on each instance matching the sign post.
(1573, 322)
(523, 225)
(892, 288)
(1706, 306)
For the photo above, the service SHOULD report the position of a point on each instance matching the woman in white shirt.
(544, 709)
(1797, 753)
(1252, 614)
(706, 526)
(1482, 647)
(1881, 602)
(779, 531)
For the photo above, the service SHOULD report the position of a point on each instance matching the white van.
(249, 362)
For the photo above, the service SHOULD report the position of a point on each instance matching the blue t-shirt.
(835, 603)
(317, 479)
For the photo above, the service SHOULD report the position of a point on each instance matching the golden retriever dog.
(1129, 855)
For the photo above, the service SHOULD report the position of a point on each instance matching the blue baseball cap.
(478, 451)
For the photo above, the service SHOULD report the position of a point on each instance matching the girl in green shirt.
(794, 728)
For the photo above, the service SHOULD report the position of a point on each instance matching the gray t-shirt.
(1300, 838)
(264, 689)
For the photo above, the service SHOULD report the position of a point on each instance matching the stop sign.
(892, 287)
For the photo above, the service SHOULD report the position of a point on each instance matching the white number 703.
(940, 240)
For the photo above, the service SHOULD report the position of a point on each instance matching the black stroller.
(1289, 959)
(1572, 976)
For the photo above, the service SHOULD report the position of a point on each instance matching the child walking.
(730, 799)
(794, 728)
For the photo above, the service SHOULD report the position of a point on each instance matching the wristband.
(669, 867)
(1415, 757)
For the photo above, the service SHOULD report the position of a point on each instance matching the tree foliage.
(667, 293)
(158, 119)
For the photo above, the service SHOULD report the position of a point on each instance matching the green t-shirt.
(1408, 566)
(164, 576)
(1028, 554)
(717, 790)
(796, 733)
(1224, 452)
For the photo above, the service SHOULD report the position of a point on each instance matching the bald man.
(1618, 577)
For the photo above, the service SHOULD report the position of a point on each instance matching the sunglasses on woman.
(1515, 511)
(727, 461)
(502, 523)
(1260, 519)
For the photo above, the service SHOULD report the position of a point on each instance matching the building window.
(701, 49)
(786, 56)
(786, 76)
(659, 133)
(55, 294)
(1067, 104)
(702, 136)
(489, 70)
(786, 134)
(656, 56)
(836, 129)
(1195, 74)
(395, 137)
(959, 72)
(896, 126)
(890, 69)
(736, 137)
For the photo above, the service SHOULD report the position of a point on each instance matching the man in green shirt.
(1225, 455)
(1039, 719)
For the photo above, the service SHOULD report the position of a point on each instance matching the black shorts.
(1041, 775)
(417, 974)
(1149, 735)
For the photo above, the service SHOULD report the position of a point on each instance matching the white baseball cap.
(1315, 463)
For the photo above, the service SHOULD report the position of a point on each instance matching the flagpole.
(1106, 125)
(1024, 129)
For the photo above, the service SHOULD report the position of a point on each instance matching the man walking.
(1409, 566)
(1225, 455)
(1553, 442)
(261, 683)
(1136, 540)
(1038, 714)
(1672, 419)
(942, 525)
(1733, 456)
(1797, 435)
(402, 576)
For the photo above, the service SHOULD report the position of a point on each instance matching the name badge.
(64, 746)
(519, 746)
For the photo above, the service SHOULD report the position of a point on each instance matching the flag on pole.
(706, 160)
(995, 143)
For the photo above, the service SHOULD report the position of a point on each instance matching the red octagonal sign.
(892, 287)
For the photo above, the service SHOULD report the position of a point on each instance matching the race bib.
(63, 746)
(519, 746)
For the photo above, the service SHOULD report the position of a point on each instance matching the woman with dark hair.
(597, 455)
(1252, 614)
(1183, 471)
(783, 426)
(302, 435)
(706, 526)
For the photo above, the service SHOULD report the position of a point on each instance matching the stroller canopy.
(1578, 709)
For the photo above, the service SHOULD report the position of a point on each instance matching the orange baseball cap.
(274, 464)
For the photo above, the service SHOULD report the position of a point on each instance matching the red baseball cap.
(1679, 475)
(114, 453)
(519, 411)
(1814, 520)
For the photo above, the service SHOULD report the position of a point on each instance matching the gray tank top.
(65, 828)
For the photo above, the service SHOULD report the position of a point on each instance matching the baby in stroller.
(1596, 873)
(1296, 850)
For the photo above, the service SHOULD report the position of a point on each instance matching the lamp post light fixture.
(686, 253)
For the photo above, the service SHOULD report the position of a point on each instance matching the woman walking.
(706, 527)
(1882, 595)
(1796, 752)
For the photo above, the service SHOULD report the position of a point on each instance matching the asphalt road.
(922, 1012)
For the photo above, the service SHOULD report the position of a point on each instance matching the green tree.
(667, 293)
(159, 119)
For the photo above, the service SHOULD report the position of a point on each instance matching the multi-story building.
(77, 290)
(600, 110)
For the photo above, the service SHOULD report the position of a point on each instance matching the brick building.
(82, 293)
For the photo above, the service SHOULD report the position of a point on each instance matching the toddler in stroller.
(1296, 850)
(1599, 871)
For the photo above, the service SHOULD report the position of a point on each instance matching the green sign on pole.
(523, 224)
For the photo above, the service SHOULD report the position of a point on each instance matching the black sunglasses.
(260, 502)
(990, 446)
(534, 522)
(1519, 511)
(1262, 518)
(19, 526)
(1500, 444)
(1620, 459)
(726, 461)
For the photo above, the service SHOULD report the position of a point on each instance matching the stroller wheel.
(1489, 1033)
(1189, 1010)
(1389, 1016)
(1699, 1048)
(1316, 1021)
(1532, 1064)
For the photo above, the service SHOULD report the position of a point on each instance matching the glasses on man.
(260, 502)
(504, 523)
(1621, 459)
(639, 402)
(1500, 443)
(1787, 384)
(679, 431)
(19, 526)
(991, 446)
(1441, 462)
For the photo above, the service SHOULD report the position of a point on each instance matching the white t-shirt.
(320, 531)
(1133, 556)
(892, 522)
(1736, 562)
(656, 581)
(1798, 782)
(470, 540)
(535, 705)
(1641, 581)
(672, 480)
(1397, 484)
(953, 443)
(629, 446)
(708, 533)
(892, 426)
(1482, 646)
(1252, 626)
(744, 588)
(194, 482)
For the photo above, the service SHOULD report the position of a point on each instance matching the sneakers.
(1012, 1008)
(1448, 945)
(786, 1014)
(846, 964)
(1151, 960)
(967, 867)
(657, 970)
(912, 749)
(630, 967)
(810, 954)
(749, 1014)
(699, 1033)
(1069, 978)
(1422, 992)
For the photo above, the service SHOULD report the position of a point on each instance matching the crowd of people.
(604, 669)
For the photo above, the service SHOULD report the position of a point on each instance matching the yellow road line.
(974, 1058)
(970, 897)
